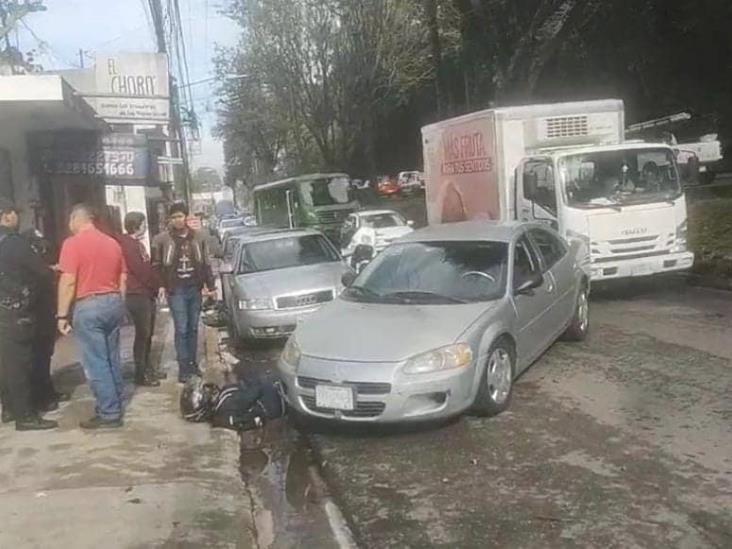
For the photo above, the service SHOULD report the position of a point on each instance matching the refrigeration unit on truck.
(565, 165)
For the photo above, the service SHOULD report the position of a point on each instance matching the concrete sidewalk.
(158, 482)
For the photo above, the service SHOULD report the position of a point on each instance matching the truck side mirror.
(531, 183)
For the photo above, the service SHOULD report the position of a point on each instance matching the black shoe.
(8, 416)
(101, 423)
(34, 423)
(184, 378)
(49, 406)
(147, 381)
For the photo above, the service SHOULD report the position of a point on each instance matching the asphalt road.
(624, 440)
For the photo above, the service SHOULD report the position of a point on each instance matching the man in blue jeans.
(181, 257)
(94, 278)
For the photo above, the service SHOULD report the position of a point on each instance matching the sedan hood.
(290, 281)
(372, 332)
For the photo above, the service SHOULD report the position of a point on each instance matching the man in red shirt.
(93, 278)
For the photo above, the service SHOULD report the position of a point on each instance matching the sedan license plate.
(335, 397)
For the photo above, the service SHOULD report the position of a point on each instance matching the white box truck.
(566, 165)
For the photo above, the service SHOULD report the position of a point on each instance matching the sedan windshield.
(283, 253)
(617, 178)
(434, 273)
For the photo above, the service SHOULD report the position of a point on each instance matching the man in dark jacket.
(44, 394)
(181, 258)
(22, 273)
(142, 289)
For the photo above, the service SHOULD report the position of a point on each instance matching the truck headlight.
(445, 358)
(291, 353)
(257, 304)
(681, 236)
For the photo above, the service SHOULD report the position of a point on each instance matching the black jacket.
(24, 276)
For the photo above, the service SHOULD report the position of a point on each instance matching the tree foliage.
(338, 84)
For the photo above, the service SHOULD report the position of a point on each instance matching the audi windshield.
(284, 253)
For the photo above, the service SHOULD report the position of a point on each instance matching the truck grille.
(362, 388)
(363, 409)
(304, 300)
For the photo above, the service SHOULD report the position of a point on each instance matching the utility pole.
(81, 58)
(159, 24)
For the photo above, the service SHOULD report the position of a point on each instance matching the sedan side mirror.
(410, 223)
(348, 278)
(530, 283)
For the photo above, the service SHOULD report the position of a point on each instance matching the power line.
(44, 45)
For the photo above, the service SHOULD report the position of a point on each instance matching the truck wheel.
(496, 383)
(578, 328)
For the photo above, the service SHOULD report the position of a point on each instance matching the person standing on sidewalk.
(45, 396)
(181, 257)
(22, 273)
(142, 289)
(93, 279)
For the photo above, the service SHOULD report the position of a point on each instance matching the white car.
(411, 181)
(375, 228)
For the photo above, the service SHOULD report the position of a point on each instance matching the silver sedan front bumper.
(383, 394)
(271, 323)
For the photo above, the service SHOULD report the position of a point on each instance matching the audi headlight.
(291, 353)
(445, 358)
(257, 304)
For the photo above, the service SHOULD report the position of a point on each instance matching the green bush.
(710, 236)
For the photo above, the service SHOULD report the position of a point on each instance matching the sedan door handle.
(550, 286)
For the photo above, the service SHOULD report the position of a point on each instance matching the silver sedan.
(438, 324)
(275, 278)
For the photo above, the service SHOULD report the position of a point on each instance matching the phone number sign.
(117, 159)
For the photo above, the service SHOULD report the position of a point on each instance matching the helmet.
(197, 399)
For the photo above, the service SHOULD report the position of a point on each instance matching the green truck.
(319, 201)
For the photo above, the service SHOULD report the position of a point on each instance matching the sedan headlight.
(257, 304)
(445, 358)
(291, 353)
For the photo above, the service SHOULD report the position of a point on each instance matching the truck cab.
(624, 202)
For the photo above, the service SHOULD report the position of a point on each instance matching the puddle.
(288, 511)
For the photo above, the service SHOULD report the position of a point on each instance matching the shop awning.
(45, 103)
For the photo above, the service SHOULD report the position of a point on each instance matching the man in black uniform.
(45, 397)
(22, 272)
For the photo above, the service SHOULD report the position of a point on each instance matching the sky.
(124, 25)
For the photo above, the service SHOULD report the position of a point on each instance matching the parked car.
(387, 186)
(410, 182)
(375, 228)
(227, 225)
(439, 323)
(277, 277)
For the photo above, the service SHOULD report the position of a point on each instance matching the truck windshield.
(618, 178)
(283, 253)
(326, 191)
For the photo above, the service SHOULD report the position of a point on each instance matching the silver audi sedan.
(276, 277)
(440, 323)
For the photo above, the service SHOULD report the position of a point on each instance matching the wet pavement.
(624, 440)
(291, 505)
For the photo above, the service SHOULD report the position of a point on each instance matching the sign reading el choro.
(133, 87)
